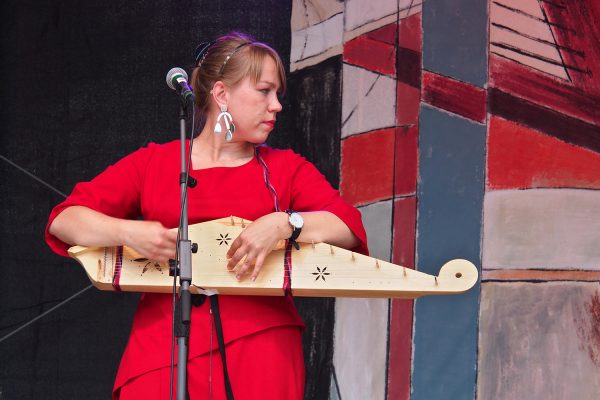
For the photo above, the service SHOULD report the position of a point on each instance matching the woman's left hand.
(255, 243)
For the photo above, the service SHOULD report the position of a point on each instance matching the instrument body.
(316, 270)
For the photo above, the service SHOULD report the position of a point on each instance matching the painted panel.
(519, 31)
(401, 311)
(454, 32)
(308, 13)
(454, 96)
(539, 341)
(361, 324)
(318, 39)
(372, 53)
(408, 102)
(405, 176)
(359, 13)
(521, 63)
(450, 197)
(405, 218)
(542, 229)
(410, 34)
(377, 218)
(367, 167)
(548, 120)
(360, 348)
(367, 101)
(519, 157)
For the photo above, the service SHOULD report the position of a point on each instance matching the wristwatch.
(297, 223)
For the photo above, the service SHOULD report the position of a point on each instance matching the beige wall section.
(308, 13)
(317, 32)
(539, 341)
(542, 229)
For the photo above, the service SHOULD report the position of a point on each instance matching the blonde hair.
(230, 59)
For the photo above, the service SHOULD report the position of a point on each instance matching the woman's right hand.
(78, 225)
(150, 238)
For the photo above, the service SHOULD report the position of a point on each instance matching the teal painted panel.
(455, 39)
(450, 201)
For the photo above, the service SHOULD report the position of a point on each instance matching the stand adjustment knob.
(194, 248)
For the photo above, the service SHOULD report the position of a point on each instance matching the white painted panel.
(317, 39)
(368, 101)
(542, 229)
(360, 347)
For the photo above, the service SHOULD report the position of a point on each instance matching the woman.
(236, 82)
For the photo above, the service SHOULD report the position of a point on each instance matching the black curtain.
(83, 85)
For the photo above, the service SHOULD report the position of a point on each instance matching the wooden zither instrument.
(316, 270)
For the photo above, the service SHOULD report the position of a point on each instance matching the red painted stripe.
(367, 167)
(408, 99)
(405, 176)
(454, 96)
(410, 33)
(520, 157)
(401, 314)
(117, 269)
(371, 54)
(540, 89)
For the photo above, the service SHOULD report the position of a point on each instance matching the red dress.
(146, 183)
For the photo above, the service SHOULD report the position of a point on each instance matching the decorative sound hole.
(458, 275)
(148, 264)
(320, 274)
(223, 239)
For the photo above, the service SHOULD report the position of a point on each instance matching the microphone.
(177, 80)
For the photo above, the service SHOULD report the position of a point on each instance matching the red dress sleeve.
(115, 192)
(310, 191)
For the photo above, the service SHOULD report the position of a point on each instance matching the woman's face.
(254, 106)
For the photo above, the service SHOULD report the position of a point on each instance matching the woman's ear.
(219, 93)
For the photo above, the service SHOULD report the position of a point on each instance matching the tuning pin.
(232, 221)
(436, 282)
(331, 249)
(377, 263)
(312, 243)
(243, 224)
(404, 270)
(353, 258)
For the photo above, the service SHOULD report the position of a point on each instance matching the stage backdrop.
(463, 128)
(469, 129)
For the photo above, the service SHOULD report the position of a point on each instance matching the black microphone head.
(173, 75)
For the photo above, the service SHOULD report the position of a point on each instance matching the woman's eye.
(264, 91)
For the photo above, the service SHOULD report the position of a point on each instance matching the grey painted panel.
(542, 229)
(450, 200)
(455, 39)
(539, 341)
(377, 218)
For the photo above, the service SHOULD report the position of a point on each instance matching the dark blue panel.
(455, 39)
(450, 201)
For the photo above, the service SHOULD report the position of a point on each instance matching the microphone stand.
(183, 319)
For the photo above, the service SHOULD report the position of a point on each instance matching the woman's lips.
(270, 123)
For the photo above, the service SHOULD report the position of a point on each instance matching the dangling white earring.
(228, 120)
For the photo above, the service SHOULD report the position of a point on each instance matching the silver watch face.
(296, 220)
